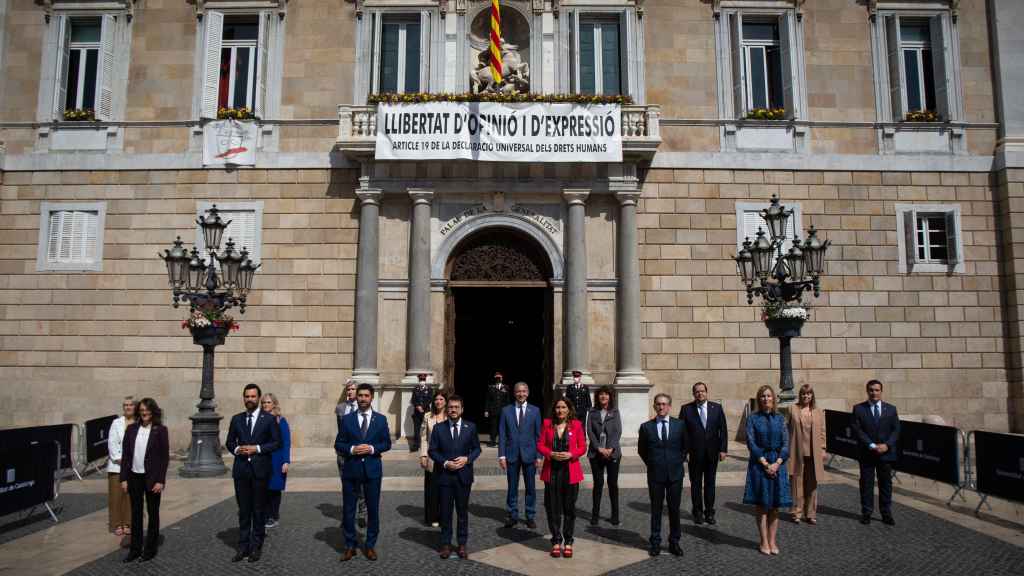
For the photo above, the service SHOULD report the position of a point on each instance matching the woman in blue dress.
(767, 479)
(279, 459)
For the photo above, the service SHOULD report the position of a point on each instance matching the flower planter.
(784, 327)
(209, 335)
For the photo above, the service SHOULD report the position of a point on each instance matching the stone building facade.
(380, 270)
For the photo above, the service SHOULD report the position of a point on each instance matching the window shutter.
(910, 237)
(423, 82)
(262, 50)
(105, 94)
(739, 75)
(786, 59)
(389, 57)
(939, 50)
(54, 230)
(611, 78)
(751, 222)
(952, 238)
(588, 71)
(211, 63)
(60, 95)
(895, 55)
(413, 54)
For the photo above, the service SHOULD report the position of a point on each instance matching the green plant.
(80, 115)
(417, 97)
(767, 114)
(235, 114)
(923, 116)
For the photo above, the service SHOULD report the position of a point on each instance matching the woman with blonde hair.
(766, 488)
(119, 504)
(279, 459)
(806, 426)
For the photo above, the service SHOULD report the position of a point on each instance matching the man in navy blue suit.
(707, 443)
(364, 437)
(876, 426)
(454, 447)
(518, 433)
(252, 436)
(662, 447)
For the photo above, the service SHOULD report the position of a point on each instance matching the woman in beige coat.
(431, 491)
(806, 424)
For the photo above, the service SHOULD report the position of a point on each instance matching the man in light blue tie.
(876, 425)
(518, 432)
(662, 446)
(707, 443)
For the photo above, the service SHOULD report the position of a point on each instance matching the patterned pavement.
(309, 539)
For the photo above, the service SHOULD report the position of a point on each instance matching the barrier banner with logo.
(96, 431)
(27, 476)
(999, 461)
(229, 142)
(499, 132)
(60, 433)
(839, 436)
(930, 451)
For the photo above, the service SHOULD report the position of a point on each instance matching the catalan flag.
(496, 41)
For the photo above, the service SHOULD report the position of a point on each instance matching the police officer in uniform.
(579, 394)
(497, 398)
(422, 396)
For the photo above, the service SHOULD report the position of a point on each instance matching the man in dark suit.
(707, 443)
(364, 437)
(454, 447)
(497, 399)
(876, 426)
(518, 433)
(252, 437)
(662, 447)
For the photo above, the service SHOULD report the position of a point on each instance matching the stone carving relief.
(495, 258)
(515, 53)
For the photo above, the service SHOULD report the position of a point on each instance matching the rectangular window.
(400, 55)
(763, 59)
(600, 56)
(749, 221)
(71, 236)
(930, 239)
(239, 45)
(918, 69)
(83, 62)
(918, 57)
(763, 64)
(245, 228)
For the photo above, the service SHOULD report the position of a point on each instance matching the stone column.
(576, 310)
(629, 369)
(367, 271)
(417, 340)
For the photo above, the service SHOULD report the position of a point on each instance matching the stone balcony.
(641, 134)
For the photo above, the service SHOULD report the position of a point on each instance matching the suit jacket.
(612, 428)
(885, 431)
(444, 448)
(704, 442)
(664, 459)
(350, 434)
(266, 434)
(158, 454)
(518, 443)
(577, 447)
(817, 455)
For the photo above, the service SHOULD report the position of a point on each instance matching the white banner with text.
(498, 132)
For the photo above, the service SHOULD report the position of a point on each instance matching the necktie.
(664, 430)
(877, 414)
(456, 432)
(248, 423)
(519, 420)
(703, 416)
(366, 424)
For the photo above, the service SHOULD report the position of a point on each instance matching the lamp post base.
(204, 459)
(785, 329)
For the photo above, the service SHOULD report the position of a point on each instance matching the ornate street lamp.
(210, 294)
(780, 278)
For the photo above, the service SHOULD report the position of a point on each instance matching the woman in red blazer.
(144, 461)
(562, 443)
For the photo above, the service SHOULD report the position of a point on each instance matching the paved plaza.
(200, 530)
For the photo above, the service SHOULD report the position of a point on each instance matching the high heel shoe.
(556, 551)
(765, 551)
(567, 551)
(775, 551)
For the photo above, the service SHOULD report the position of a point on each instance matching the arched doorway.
(498, 310)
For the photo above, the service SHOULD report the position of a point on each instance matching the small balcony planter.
(79, 115)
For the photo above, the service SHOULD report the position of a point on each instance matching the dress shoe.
(254, 556)
(698, 519)
(239, 556)
(147, 556)
(888, 520)
(349, 554)
(710, 519)
(370, 554)
(510, 521)
(865, 519)
(593, 519)
(462, 552)
(131, 557)
(446, 552)
(675, 549)
(654, 551)
(614, 521)
(531, 524)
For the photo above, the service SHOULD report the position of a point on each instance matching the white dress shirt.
(871, 409)
(369, 419)
(115, 439)
(253, 416)
(139, 454)
(668, 427)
